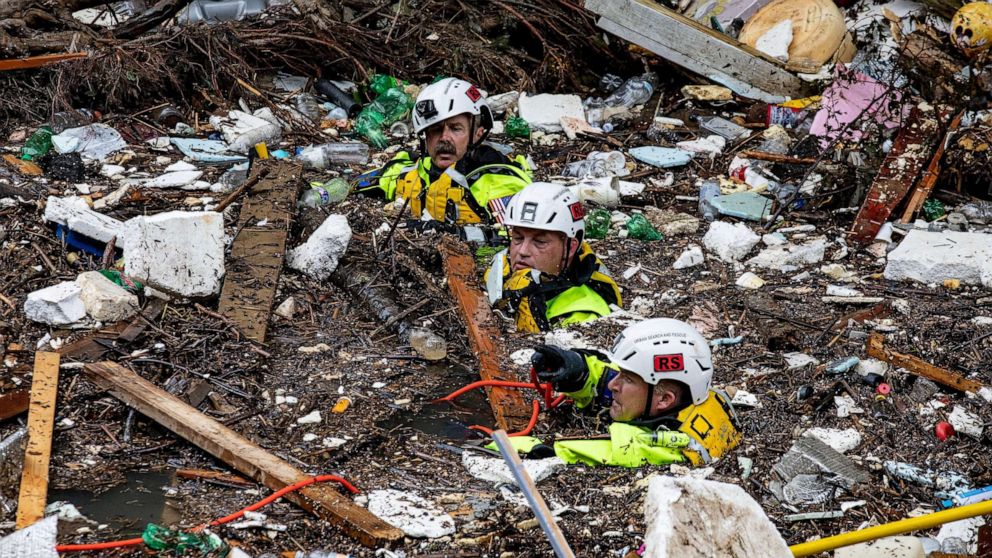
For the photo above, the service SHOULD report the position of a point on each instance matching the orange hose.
(261, 503)
(524, 432)
(486, 383)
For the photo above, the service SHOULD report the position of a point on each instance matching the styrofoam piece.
(104, 300)
(790, 257)
(932, 257)
(743, 205)
(410, 513)
(840, 440)
(544, 112)
(750, 281)
(206, 151)
(34, 541)
(730, 242)
(318, 256)
(690, 257)
(889, 547)
(179, 252)
(679, 513)
(663, 157)
(242, 130)
(494, 469)
(173, 179)
(74, 213)
(59, 304)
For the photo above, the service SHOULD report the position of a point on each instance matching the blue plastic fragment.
(843, 365)
(744, 205)
(726, 341)
(664, 157)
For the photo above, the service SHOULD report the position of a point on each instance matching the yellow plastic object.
(262, 150)
(805, 102)
(342, 405)
(891, 529)
(971, 28)
(818, 29)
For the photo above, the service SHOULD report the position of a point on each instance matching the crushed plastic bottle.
(598, 224)
(336, 113)
(325, 193)
(178, 542)
(640, 228)
(62, 121)
(709, 190)
(610, 83)
(428, 344)
(38, 144)
(323, 156)
(598, 164)
(309, 106)
(635, 91)
(933, 210)
(387, 108)
(978, 212)
(516, 127)
(380, 83)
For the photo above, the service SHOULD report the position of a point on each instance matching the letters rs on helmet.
(666, 349)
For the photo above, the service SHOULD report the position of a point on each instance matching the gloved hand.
(565, 370)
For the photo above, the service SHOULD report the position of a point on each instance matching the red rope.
(261, 503)
(546, 391)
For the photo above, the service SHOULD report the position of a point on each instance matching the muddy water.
(128, 507)
(443, 419)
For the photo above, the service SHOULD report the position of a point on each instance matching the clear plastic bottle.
(978, 211)
(62, 121)
(635, 91)
(610, 83)
(325, 193)
(309, 106)
(323, 156)
(428, 344)
(709, 190)
(336, 113)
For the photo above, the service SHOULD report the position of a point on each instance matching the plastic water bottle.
(336, 113)
(709, 190)
(323, 156)
(325, 193)
(428, 344)
(635, 91)
(309, 106)
(62, 121)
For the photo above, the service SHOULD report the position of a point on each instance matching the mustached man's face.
(448, 140)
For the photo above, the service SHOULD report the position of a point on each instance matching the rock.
(410, 513)
(966, 422)
(932, 257)
(679, 513)
(74, 213)
(287, 308)
(178, 252)
(730, 242)
(670, 223)
(750, 281)
(889, 547)
(691, 257)
(318, 256)
(789, 257)
(311, 418)
(104, 300)
(842, 441)
(56, 305)
(544, 112)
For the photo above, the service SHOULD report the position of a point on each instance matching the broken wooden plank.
(41, 422)
(226, 478)
(13, 403)
(923, 188)
(512, 413)
(240, 453)
(685, 42)
(39, 61)
(256, 258)
(897, 175)
(876, 349)
(97, 344)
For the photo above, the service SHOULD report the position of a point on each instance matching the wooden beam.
(14, 402)
(256, 258)
(512, 413)
(240, 453)
(41, 421)
(710, 54)
(923, 188)
(920, 367)
(39, 61)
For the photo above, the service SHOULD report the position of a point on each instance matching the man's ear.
(479, 132)
(666, 397)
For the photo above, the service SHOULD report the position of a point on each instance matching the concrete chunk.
(730, 242)
(56, 305)
(74, 213)
(931, 257)
(103, 299)
(680, 513)
(790, 257)
(318, 256)
(178, 252)
(544, 112)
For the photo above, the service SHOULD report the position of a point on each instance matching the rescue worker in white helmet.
(461, 180)
(656, 384)
(549, 277)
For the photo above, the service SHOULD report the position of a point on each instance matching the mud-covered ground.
(394, 434)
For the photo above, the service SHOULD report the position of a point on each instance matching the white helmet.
(547, 207)
(449, 97)
(666, 349)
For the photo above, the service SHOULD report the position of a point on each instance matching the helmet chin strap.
(647, 402)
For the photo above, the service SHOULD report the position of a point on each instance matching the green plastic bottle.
(933, 210)
(380, 83)
(598, 224)
(160, 538)
(640, 229)
(516, 127)
(383, 111)
(38, 144)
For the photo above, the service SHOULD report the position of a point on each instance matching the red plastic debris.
(883, 388)
(943, 430)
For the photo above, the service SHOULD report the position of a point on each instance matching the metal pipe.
(526, 484)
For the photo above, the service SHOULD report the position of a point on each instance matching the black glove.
(565, 370)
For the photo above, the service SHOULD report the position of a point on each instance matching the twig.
(248, 184)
